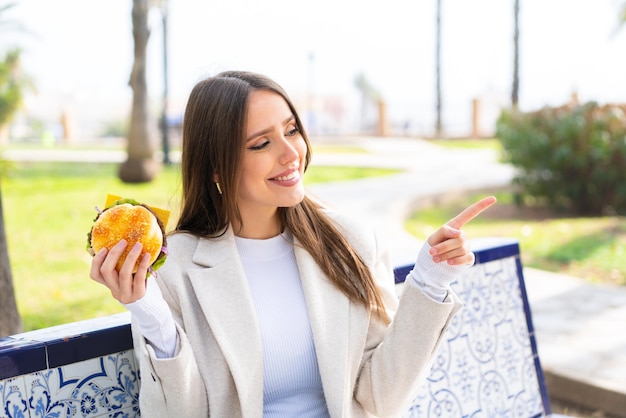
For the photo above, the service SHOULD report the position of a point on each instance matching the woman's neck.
(258, 227)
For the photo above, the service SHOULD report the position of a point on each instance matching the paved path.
(580, 327)
(430, 171)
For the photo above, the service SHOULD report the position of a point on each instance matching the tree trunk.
(140, 167)
(438, 122)
(515, 89)
(11, 322)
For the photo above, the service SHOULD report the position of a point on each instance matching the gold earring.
(219, 189)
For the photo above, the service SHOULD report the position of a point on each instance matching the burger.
(134, 222)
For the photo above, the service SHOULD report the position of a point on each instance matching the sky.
(79, 54)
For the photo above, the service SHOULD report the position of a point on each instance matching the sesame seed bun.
(132, 222)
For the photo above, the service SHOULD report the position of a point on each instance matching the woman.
(269, 304)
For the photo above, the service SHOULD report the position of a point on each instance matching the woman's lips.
(288, 178)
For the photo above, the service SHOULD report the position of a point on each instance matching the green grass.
(590, 248)
(48, 210)
(470, 143)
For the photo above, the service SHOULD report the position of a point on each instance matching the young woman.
(270, 305)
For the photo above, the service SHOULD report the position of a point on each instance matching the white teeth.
(289, 177)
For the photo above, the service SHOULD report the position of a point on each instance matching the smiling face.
(272, 165)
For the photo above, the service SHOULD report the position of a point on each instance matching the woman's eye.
(260, 146)
(293, 131)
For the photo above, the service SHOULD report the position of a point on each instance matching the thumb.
(444, 233)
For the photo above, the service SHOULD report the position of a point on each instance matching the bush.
(569, 158)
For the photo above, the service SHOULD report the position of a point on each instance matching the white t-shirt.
(292, 385)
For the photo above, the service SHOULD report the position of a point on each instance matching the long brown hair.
(213, 141)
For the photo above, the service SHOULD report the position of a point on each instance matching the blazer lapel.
(329, 313)
(222, 289)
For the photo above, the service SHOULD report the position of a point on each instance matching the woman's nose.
(289, 153)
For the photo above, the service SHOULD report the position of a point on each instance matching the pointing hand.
(448, 242)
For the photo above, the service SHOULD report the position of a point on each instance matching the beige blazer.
(368, 368)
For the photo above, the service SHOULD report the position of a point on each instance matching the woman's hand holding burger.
(122, 283)
(127, 241)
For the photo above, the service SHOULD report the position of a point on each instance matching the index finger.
(471, 212)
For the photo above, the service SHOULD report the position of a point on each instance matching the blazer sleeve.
(398, 356)
(170, 386)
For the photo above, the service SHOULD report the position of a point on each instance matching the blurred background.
(345, 63)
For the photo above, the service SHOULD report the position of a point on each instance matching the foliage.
(569, 158)
(11, 86)
(12, 80)
(366, 88)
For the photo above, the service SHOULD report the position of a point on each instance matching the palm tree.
(438, 122)
(140, 166)
(369, 95)
(12, 83)
(515, 89)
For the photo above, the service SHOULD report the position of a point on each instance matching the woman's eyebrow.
(270, 129)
